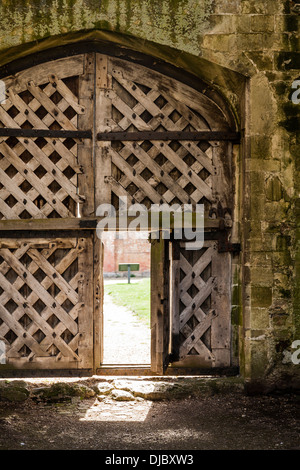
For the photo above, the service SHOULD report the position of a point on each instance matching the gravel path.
(126, 340)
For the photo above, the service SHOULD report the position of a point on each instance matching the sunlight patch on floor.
(112, 411)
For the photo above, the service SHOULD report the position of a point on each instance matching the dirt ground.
(216, 422)
(131, 338)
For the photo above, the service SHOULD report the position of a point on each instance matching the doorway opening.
(157, 141)
(126, 301)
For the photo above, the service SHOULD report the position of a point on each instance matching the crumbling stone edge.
(124, 389)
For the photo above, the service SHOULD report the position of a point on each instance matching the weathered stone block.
(221, 24)
(262, 23)
(220, 42)
(104, 388)
(262, 275)
(276, 211)
(259, 357)
(261, 7)
(243, 24)
(14, 390)
(122, 395)
(250, 42)
(261, 296)
(261, 259)
(281, 258)
(283, 242)
(263, 60)
(62, 391)
(274, 190)
(145, 389)
(260, 318)
(264, 106)
(260, 166)
(227, 6)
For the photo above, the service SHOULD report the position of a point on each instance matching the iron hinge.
(170, 135)
(224, 246)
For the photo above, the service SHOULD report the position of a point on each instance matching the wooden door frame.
(87, 222)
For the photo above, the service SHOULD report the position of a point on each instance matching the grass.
(135, 296)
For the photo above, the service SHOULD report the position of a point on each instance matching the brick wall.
(126, 250)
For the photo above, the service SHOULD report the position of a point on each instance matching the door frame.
(89, 222)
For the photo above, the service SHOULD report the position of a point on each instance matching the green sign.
(132, 266)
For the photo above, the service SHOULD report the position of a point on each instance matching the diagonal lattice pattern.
(152, 171)
(39, 300)
(38, 176)
(196, 300)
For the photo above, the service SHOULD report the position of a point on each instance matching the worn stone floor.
(217, 422)
(147, 414)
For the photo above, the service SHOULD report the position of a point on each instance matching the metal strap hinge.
(224, 246)
(170, 135)
(50, 133)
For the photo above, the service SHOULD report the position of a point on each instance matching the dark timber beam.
(125, 136)
(170, 135)
(55, 134)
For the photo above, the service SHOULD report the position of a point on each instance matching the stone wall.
(249, 51)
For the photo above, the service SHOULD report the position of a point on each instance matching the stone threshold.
(117, 388)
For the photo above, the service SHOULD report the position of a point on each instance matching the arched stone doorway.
(86, 130)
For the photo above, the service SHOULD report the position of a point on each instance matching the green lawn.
(135, 296)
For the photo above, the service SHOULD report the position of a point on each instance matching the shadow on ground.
(230, 421)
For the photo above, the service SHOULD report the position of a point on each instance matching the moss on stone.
(62, 391)
(261, 296)
(166, 21)
(14, 390)
(274, 189)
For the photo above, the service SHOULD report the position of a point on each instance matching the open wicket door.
(160, 305)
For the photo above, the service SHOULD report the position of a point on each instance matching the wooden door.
(137, 109)
(201, 306)
(45, 302)
(46, 177)
(160, 305)
(85, 130)
(149, 153)
(46, 187)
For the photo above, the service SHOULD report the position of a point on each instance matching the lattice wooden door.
(153, 150)
(143, 162)
(46, 273)
(44, 303)
(86, 130)
(201, 306)
(39, 177)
